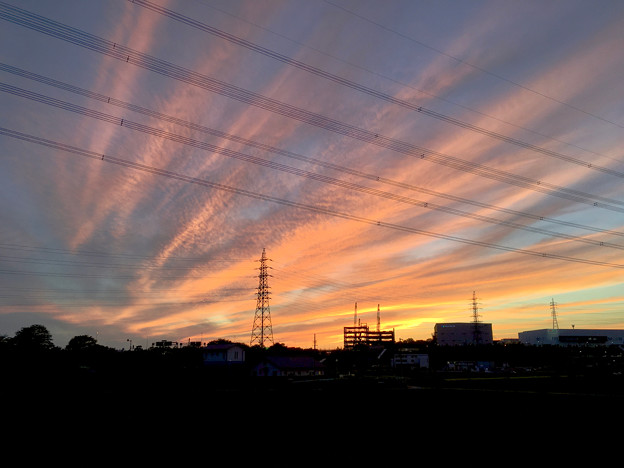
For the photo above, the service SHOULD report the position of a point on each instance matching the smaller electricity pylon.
(475, 319)
(262, 330)
(553, 310)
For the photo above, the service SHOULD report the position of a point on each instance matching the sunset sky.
(396, 153)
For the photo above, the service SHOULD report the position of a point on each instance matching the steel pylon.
(262, 330)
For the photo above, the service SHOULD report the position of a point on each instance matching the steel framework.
(553, 310)
(475, 319)
(362, 335)
(262, 330)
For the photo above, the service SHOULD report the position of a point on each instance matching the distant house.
(412, 360)
(470, 366)
(289, 366)
(223, 354)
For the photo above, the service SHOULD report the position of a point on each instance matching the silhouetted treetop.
(81, 343)
(220, 341)
(33, 338)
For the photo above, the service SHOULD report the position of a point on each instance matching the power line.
(39, 261)
(476, 67)
(359, 87)
(307, 207)
(94, 275)
(93, 253)
(127, 55)
(34, 292)
(407, 85)
(291, 170)
(98, 303)
(139, 109)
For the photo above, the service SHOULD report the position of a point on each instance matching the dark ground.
(131, 410)
(143, 418)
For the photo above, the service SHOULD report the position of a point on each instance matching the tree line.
(32, 347)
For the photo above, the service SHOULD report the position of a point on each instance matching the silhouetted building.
(165, 344)
(574, 336)
(289, 366)
(470, 366)
(460, 333)
(223, 354)
(408, 359)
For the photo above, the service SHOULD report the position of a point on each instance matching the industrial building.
(574, 336)
(463, 333)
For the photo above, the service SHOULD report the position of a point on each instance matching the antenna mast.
(262, 329)
(378, 319)
(554, 314)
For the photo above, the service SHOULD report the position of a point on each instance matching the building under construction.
(361, 334)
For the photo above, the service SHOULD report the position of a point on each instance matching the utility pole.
(262, 330)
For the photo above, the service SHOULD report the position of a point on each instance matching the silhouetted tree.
(81, 343)
(4, 341)
(220, 341)
(33, 338)
(278, 348)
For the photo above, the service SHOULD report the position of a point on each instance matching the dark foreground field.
(148, 419)
(439, 400)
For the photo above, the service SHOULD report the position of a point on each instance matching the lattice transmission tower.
(475, 319)
(553, 310)
(262, 330)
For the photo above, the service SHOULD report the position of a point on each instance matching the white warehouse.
(574, 336)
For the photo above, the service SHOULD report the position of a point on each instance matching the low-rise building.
(165, 344)
(223, 354)
(289, 366)
(574, 336)
(409, 359)
(460, 333)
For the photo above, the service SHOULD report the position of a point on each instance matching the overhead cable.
(476, 67)
(307, 207)
(292, 170)
(125, 54)
(263, 146)
(359, 87)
